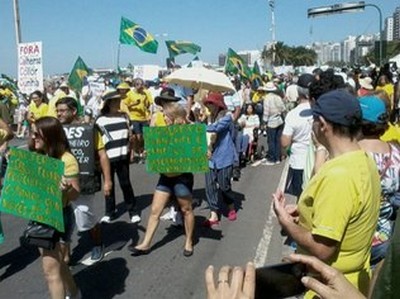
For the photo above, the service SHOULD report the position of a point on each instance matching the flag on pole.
(177, 47)
(78, 73)
(235, 64)
(256, 78)
(133, 34)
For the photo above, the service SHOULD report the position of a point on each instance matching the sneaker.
(97, 253)
(178, 221)
(277, 162)
(105, 219)
(166, 216)
(135, 219)
(268, 163)
(232, 216)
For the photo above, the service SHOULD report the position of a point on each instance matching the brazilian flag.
(235, 64)
(133, 34)
(256, 78)
(177, 47)
(78, 73)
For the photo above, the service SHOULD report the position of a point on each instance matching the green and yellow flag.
(78, 73)
(133, 34)
(235, 64)
(177, 47)
(256, 78)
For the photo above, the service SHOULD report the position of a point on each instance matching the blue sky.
(90, 28)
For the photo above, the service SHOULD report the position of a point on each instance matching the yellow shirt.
(389, 89)
(137, 105)
(98, 140)
(159, 120)
(392, 133)
(341, 202)
(71, 167)
(257, 97)
(38, 112)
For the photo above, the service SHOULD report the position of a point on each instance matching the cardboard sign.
(30, 67)
(81, 141)
(176, 149)
(32, 188)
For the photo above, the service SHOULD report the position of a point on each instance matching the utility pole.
(17, 22)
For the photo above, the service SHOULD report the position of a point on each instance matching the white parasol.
(201, 78)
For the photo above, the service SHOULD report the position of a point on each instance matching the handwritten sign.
(177, 148)
(81, 141)
(30, 67)
(32, 188)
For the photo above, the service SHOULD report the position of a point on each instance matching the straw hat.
(366, 83)
(270, 86)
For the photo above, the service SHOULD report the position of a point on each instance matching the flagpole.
(118, 55)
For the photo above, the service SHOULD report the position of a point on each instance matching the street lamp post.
(272, 6)
(17, 22)
(348, 7)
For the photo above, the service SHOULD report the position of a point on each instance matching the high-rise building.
(396, 24)
(388, 33)
(348, 46)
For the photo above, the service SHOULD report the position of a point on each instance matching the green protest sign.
(31, 188)
(177, 148)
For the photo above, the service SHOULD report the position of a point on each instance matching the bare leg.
(188, 218)
(160, 200)
(51, 263)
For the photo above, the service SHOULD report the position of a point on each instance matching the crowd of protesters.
(338, 130)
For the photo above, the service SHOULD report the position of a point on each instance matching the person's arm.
(221, 125)
(9, 134)
(319, 246)
(236, 113)
(70, 189)
(106, 170)
(286, 141)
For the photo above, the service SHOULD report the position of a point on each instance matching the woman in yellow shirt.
(37, 107)
(48, 138)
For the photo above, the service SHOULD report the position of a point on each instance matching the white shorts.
(84, 214)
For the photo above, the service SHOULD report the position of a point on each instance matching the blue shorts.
(137, 126)
(181, 186)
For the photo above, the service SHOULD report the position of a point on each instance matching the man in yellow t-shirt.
(337, 213)
(137, 104)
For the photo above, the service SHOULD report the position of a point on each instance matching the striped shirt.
(115, 135)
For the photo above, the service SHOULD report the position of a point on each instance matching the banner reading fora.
(176, 149)
(30, 67)
(32, 188)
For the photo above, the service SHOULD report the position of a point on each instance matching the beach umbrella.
(201, 78)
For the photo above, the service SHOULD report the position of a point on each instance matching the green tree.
(284, 54)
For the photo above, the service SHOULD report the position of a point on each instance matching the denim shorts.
(137, 126)
(69, 224)
(181, 186)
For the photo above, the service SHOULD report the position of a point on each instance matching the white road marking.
(263, 245)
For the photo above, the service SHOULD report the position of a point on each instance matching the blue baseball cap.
(373, 109)
(339, 107)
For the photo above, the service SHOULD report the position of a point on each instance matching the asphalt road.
(165, 272)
